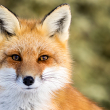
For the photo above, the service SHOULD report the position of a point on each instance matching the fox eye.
(16, 57)
(43, 58)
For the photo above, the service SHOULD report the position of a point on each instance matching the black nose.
(28, 80)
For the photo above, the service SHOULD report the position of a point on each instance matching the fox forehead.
(31, 38)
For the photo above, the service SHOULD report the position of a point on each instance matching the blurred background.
(89, 41)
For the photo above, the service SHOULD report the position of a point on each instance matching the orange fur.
(70, 99)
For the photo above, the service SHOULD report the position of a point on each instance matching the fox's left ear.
(9, 23)
(58, 21)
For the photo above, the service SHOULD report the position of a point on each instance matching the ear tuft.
(58, 21)
(9, 24)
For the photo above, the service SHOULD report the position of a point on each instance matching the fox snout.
(28, 82)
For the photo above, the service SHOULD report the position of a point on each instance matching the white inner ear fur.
(58, 21)
(9, 22)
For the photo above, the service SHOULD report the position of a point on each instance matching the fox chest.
(19, 101)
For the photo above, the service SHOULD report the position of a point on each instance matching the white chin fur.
(14, 97)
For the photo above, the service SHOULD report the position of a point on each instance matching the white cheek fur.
(7, 77)
(13, 97)
(55, 78)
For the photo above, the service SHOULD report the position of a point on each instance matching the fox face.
(34, 59)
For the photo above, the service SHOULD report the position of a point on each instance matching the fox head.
(34, 54)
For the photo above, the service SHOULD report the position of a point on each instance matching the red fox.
(35, 64)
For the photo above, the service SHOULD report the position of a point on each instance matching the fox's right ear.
(58, 22)
(9, 23)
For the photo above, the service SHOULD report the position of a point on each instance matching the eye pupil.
(16, 57)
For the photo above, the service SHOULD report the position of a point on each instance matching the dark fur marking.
(60, 23)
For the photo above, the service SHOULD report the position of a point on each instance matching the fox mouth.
(28, 88)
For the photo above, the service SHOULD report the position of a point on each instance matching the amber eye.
(43, 58)
(16, 57)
